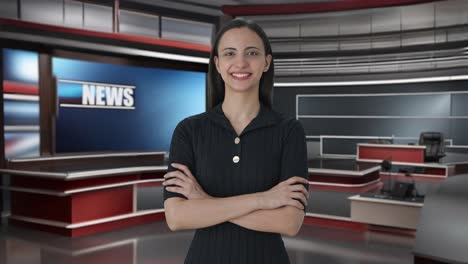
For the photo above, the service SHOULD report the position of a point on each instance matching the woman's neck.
(241, 107)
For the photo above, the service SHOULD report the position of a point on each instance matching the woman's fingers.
(299, 188)
(175, 174)
(297, 179)
(183, 168)
(175, 181)
(300, 196)
(177, 190)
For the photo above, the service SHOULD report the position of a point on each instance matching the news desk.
(76, 195)
(342, 173)
(409, 159)
(407, 164)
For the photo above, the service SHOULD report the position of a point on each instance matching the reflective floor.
(155, 243)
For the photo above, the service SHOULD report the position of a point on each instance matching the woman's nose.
(241, 61)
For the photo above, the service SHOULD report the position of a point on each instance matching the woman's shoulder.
(192, 121)
(286, 121)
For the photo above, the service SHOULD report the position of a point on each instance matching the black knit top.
(271, 149)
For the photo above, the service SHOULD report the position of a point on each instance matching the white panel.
(139, 24)
(386, 19)
(320, 27)
(457, 34)
(281, 29)
(386, 42)
(186, 30)
(45, 12)
(285, 47)
(8, 9)
(98, 17)
(419, 38)
(320, 46)
(418, 16)
(73, 14)
(449, 13)
(355, 24)
(355, 44)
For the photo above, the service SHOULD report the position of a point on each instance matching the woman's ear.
(216, 62)
(268, 59)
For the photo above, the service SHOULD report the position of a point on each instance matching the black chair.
(435, 145)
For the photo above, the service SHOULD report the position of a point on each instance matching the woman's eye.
(252, 53)
(228, 54)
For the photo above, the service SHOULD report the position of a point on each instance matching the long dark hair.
(215, 81)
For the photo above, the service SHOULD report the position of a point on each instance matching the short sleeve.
(294, 155)
(181, 151)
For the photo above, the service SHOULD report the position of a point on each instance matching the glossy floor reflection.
(155, 243)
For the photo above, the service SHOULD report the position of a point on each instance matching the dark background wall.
(442, 112)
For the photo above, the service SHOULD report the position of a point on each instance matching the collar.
(265, 117)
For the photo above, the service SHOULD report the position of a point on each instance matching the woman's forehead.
(240, 38)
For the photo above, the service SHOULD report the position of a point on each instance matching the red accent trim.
(116, 36)
(153, 175)
(62, 185)
(339, 5)
(343, 179)
(99, 204)
(77, 208)
(415, 155)
(20, 88)
(368, 188)
(98, 228)
(332, 223)
(41, 206)
(150, 184)
(393, 230)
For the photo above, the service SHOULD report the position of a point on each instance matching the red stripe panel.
(150, 184)
(283, 9)
(343, 179)
(102, 203)
(120, 254)
(116, 36)
(41, 206)
(88, 230)
(391, 153)
(363, 189)
(339, 224)
(20, 88)
(62, 185)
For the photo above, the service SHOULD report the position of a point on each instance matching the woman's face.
(241, 60)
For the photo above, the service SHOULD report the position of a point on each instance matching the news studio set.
(93, 90)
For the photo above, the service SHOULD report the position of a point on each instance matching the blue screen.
(162, 98)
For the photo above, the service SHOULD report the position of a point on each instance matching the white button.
(237, 140)
(235, 159)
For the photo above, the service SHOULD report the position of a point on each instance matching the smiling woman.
(239, 165)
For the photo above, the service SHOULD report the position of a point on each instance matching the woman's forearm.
(199, 213)
(286, 220)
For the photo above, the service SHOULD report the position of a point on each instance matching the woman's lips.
(241, 76)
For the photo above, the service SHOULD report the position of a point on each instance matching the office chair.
(435, 145)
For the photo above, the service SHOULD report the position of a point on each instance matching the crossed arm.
(277, 210)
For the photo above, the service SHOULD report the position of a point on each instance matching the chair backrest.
(435, 145)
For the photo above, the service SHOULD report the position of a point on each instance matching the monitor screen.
(115, 107)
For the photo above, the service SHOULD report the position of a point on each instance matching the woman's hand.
(289, 192)
(184, 182)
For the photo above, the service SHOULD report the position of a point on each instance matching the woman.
(238, 172)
